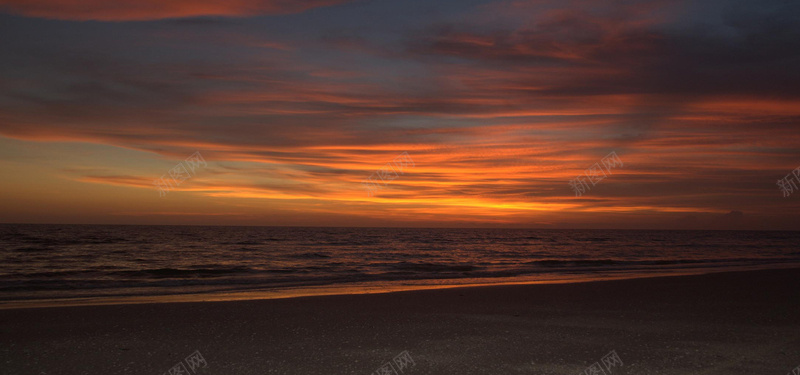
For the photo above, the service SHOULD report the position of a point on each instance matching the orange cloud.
(141, 10)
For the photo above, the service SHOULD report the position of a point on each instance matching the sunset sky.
(499, 104)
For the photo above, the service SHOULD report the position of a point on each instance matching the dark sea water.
(69, 261)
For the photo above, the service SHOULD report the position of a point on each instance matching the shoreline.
(365, 288)
(740, 323)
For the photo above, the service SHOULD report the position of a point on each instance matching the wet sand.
(725, 323)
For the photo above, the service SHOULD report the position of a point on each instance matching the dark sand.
(729, 323)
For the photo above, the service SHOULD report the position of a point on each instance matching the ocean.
(67, 262)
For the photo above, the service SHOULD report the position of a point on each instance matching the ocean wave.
(107, 259)
(430, 267)
(308, 256)
(182, 273)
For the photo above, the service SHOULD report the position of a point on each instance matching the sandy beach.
(725, 323)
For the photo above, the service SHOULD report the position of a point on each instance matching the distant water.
(67, 261)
